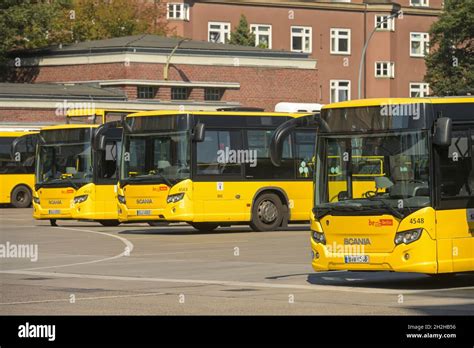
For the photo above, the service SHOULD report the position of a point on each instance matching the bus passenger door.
(218, 185)
(455, 213)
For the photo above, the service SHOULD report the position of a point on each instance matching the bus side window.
(304, 152)
(457, 177)
(216, 156)
(259, 165)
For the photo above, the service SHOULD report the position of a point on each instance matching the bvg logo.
(54, 201)
(144, 201)
(381, 223)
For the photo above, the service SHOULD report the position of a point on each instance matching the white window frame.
(304, 35)
(422, 88)
(171, 9)
(389, 25)
(335, 35)
(334, 84)
(255, 28)
(424, 41)
(388, 66)
(423, 3)
(224, 33)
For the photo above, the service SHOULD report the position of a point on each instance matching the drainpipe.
(168, 59)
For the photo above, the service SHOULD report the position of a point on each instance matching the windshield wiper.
(145, 177)
(394, 211)
(58, 180)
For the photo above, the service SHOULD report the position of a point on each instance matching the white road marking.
(233, 283)
(126, 252)
(83, 298)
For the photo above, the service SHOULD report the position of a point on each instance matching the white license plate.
(356, 259)
(143, 212)
(54, 212)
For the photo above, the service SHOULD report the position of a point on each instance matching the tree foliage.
(242, 35)
(28, 24)
(450, 64)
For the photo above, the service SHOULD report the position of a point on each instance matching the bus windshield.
(162, 157)
(357, 173)
(65, 158)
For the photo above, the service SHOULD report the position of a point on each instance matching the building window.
(213, 94)
(178, 11)
(340, 90)
(180, 93)
(419, 2)
(219, 32)
(419, 44)
(146, 92)
(384, 25)
(385, 69)
(263, 35)
(301, 38)
(419, 90)
(340, 41)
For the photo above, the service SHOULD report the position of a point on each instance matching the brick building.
(153, 72)
(331, 31)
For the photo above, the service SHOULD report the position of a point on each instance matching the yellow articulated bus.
(17, 154)
(213, 169)
(418, 216)
(76, 171)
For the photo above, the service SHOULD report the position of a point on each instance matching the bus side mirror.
(442, 131)
(199, 133)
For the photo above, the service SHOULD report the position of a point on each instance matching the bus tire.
(204, 226)
(21, 197)
(267, 213)
(53, 223)
(109, 223)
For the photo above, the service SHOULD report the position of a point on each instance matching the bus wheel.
(53, 223)
(267, 213)
(204, 226)
(109, 223)
(21, 197)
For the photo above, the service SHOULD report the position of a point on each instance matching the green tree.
(242, 35)
(450, 64)
(29, 24)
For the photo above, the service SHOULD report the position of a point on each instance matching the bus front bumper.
(418, 256)
(172, 212)
(40, 213)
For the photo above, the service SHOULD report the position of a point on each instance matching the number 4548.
(417, 220)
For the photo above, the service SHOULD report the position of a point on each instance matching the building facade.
(331, 32)
(153, 72)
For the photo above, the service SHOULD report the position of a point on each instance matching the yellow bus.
(418, 216)
(17, 165)
(213, 169)
(76, 171)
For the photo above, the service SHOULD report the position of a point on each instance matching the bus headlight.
(175, 198)
(319, 237)
(80, 199)
(121, 199)
(407, 237)
(36, 200)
